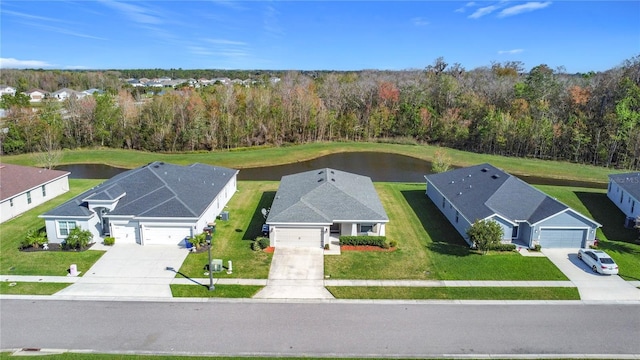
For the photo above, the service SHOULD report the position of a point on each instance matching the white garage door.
(125, 234)
(298, 237)
(165, 235)
(562, 238)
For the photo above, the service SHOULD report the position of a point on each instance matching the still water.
(377, 166)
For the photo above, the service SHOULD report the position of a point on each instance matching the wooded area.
(589, 118)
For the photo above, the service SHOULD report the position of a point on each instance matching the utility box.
(216, 265)
(224, 215)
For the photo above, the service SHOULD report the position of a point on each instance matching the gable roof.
(324, 196)
(16, 179)
(155, 190)
(481, 191)
(630, 182)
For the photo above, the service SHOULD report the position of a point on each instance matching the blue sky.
(316, 35)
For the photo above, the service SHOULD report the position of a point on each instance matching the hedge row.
(502, 247)
(380, 241)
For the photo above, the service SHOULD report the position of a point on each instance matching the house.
(158, 203)
(23, 187)
(65, 93)
(527, 215)
(311, 206)
(36, 95)
(624, 191)
(7, 90)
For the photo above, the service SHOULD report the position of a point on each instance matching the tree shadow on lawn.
(444, 237)
(254, 229)
(607, 213)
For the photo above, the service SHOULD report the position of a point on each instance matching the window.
(633, 205)
(44, 191)
(609, 189)
(11, 202)
(365, 228)
(621, 197)
(443, 202)
(28, 197)
(514, 232)
(457, 216)
(64, 227)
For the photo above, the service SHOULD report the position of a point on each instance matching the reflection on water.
(378, 166)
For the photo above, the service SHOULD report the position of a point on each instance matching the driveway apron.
(591, 286)
(129, 271)
(296, 273)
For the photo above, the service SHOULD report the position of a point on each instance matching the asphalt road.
(321, 329)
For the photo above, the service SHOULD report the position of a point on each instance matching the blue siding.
(461, 225)
(566, 220)
(507, 228)
(623, 200)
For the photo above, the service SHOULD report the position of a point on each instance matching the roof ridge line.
(175, 195)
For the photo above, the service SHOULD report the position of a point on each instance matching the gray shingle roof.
(324, 196)
(483, 190)
(630, 182)
(155, 190)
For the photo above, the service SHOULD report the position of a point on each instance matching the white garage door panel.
(298, 237)
(164, 235)
(562, 238)
(125, 234)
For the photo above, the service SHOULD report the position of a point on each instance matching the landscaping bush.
(380, 241)
(255, 246)
(33, 239)
(502, 247)
(78, 239)
(199, 240)
(263, 242)
(537, 247)
(109, 240)
(393, 243)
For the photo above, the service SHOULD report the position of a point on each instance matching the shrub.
(537, 247)
(502, 247)
(255, 246)
(33, 239)
(485, 234)
(109, 240)
(393, 243)
(380, 241)
(78, 239)
(263, 242)
(326, 246)
(198, 240)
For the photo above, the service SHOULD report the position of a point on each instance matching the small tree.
(484, 234)
(441, 161)
(33, 239)
(78, 239)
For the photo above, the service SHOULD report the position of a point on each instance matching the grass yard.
(15, 262)
(221, 291)
(30, 288)
(455, 293)
(430, 248)
(620, 243)
(232, 239)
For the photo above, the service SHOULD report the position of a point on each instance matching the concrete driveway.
(129, 271)
(296, 273)
(591, 286)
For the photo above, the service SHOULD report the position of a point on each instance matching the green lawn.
(31, 288)
(455, 293)
(232, 239)
(430, 248)
(15, 262)
(220, 291)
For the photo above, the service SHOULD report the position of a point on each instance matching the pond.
(377, 166)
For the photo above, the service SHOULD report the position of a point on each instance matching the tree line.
(544, 113)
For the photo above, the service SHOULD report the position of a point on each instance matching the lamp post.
(211, 287)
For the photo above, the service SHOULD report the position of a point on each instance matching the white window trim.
(58, 227)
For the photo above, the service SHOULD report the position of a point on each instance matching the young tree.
(441, 161)
(484, 234)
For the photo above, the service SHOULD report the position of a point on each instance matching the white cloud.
(134, 12)
(510, 52)
(271, 22)
(225, 42)
(519, 9)
(483, 11)
(419, 21)
(463, 9)
(11, 63)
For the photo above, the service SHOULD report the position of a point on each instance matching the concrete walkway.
(296, 273)
(591, 286)
(129, 271)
